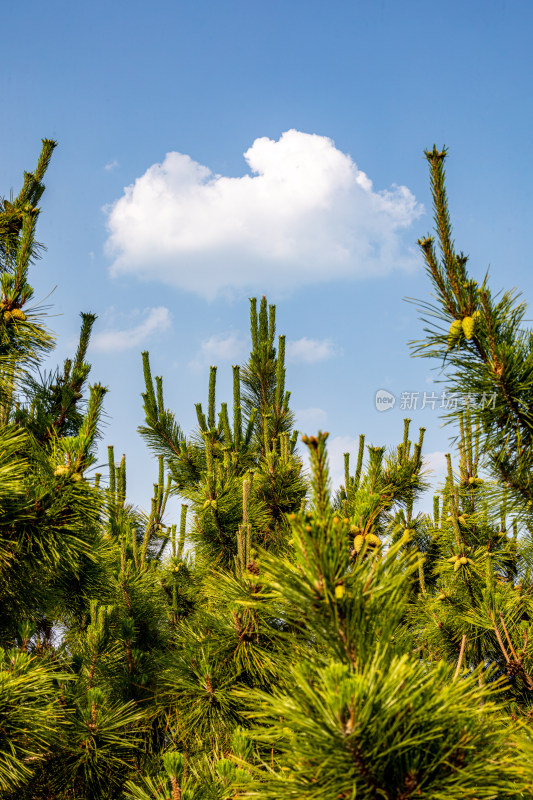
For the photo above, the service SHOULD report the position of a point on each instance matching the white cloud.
(310, 420)
(337, 446)
(220, 347)
(435, 470)
(155, 320)
(306, 214)
(309, 350)
(111, 165)
(436, 464)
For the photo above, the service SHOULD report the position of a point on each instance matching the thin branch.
(508, 638)
(460, 659)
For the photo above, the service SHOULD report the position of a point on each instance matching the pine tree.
(60, 736)
(485, 525)
(486, 353)
(240, 481)
(49, 517)
(227, 472)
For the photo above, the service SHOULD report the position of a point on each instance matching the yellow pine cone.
(18, 313)
(358, 542)
(339, 591)
(463, 560)
(61, 470)
(371, 538)
(75, 477)
(468, 325)
(456, 329)
(457, 565)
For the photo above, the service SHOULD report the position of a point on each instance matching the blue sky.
(333, 105)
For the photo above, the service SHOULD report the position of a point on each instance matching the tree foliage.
(278, 640)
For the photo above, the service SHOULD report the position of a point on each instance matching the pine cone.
(513, 668)
(468, 325)
(456, 329)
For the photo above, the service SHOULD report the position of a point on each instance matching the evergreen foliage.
(235, 477)
(277, 641)
(486, 352)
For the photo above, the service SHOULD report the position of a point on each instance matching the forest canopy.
(281, 639)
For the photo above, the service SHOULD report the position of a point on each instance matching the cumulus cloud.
(220, 347)
(309, 350)
(310, 420)
(305, 214)
(154, 320)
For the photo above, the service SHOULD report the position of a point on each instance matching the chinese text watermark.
(443, 401)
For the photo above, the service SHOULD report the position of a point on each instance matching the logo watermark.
(384, 400)
(445, 401)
